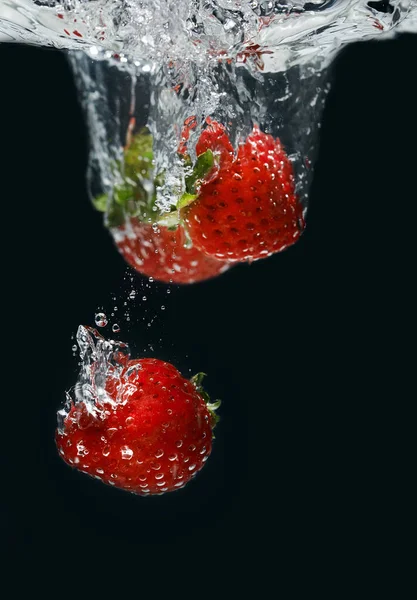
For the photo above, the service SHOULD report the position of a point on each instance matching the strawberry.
(149, 433)
(247, 207)
(164, 254)
(155, 250)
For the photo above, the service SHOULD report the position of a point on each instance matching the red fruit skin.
(160, 253)
(249, 210)
(153, 442)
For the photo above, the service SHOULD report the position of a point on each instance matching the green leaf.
(196, 380)
(186, 199)
(170, 220)
(100, 203)
(202, 167)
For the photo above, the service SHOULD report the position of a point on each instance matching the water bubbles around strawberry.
(100, 319)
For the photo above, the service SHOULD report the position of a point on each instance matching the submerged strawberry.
(164, 254)
(247, 207)
(155, 250)
(149, 433)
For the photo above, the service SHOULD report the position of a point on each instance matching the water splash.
(155, 63)
(101, 364)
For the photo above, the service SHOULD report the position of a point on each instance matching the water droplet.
(172, 457)
(178, 444)
(159, 453)
(100, 320)
(127, 452)
(115, 328)
(81, 449)
(129, 421)
(106, 451)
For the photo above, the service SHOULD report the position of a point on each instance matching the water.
(155, 63)
(101, 361)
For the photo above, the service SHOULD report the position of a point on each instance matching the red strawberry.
(157, 252)
(249, 209)
(150, 434)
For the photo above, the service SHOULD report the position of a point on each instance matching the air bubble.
(159, 453)
(100, 320)
(106, 451)
(162, 307)
(151, 279)
(178, 444)
(127, 452)
(74, 348)
(132, 294)
(115, 328)
(172, 457)
(144, 298)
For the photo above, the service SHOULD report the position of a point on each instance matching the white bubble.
(115, 328)
(100, 320)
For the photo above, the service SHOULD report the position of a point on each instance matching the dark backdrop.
(307, 349)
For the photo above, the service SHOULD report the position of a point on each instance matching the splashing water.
(101, 364)
(155, 63)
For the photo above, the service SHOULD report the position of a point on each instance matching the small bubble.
(127, 452)
(172, 457)
(192, 467)
(178, 444)
(106, 451)
(162, 307)
(74, 348)
(151, 279)
(100, 319)
(159, 453)
(168, 291)
(132, 294)
(115, 328)
(159, 476)
(191, 448)
(144, 298)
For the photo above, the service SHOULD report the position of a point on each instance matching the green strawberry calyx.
(135, 190)
(196, 380)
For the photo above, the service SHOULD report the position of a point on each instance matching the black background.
(306, 349)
